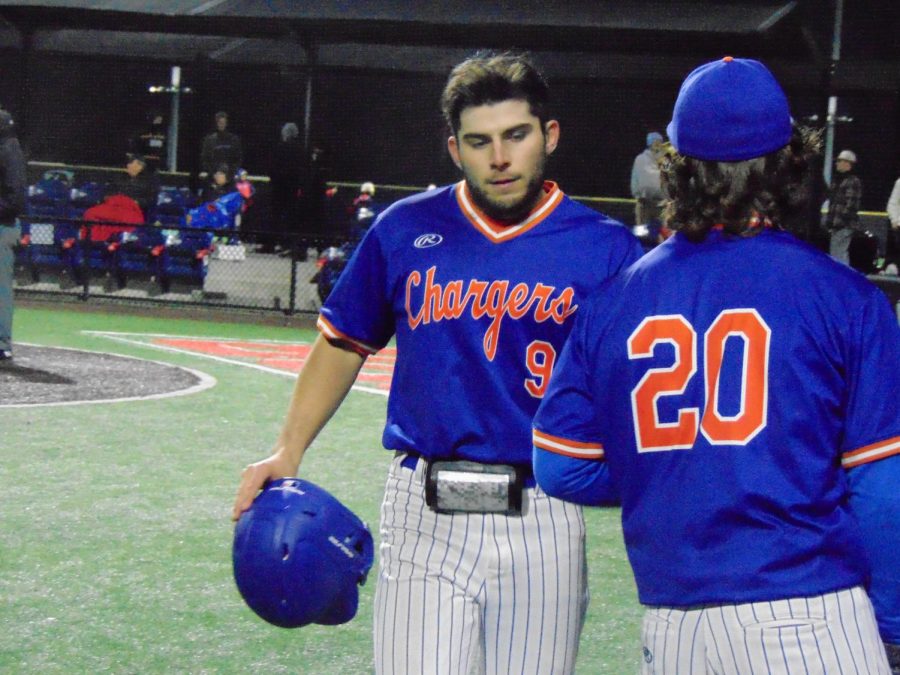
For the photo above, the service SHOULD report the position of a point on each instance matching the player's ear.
(453, 149)
(551, 136)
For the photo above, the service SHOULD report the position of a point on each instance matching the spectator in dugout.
(140, 184)
(221, 147)
(646, 186)
(127, 202)
(314, 191)
(893, 206)
(219, 184)
(286, 177)
(844, 197)
(892, 253)
(151, 142)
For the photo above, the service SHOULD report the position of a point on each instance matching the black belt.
(411, 460)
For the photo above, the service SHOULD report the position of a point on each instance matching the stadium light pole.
(312, 54)
(831, 117)
(176, 90)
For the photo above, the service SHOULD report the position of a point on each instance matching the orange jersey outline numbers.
(747, 325)
(651, 434)
(539, 359)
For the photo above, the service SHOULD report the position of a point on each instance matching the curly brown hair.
(703, 194)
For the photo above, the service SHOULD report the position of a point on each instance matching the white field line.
(127, 339)
(107, 333)
(206, 382)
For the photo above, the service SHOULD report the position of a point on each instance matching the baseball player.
(737, 390)
(478, 282)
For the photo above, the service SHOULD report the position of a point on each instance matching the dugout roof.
(637, 38)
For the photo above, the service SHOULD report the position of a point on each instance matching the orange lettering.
(414, 279)
(542, 312)
(474, 293)
(432, 296)
(494, 300)
(452, 306)
(562, 307)
(519, 301)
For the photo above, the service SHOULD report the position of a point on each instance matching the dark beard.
(513, 213)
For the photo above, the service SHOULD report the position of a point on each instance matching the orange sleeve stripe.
(567, 447)
(871, 453)
(332, 333)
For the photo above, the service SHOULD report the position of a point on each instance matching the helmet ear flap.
(346, 601)
(342, 609)
(299, 555)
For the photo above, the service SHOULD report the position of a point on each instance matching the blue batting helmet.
(299, 555)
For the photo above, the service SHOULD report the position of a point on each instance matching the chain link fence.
(176, 265)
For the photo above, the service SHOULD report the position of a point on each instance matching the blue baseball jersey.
(729, 385)
(479, 310)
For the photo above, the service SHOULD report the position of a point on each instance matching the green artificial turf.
(115, 536)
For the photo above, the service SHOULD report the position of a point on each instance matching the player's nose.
(499, 156)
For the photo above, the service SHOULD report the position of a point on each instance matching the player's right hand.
(255, 476)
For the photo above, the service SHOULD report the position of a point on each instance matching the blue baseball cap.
(729, 111)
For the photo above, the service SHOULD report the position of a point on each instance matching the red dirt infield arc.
(376, 372)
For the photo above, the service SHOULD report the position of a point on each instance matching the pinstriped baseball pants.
(825, 634)
(477, 593)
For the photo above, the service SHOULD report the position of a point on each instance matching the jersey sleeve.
(875, 502)
(872, 428)
(357, 314)
(872, 454)
(568, 454)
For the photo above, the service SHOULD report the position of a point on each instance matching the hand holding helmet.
(299, 555)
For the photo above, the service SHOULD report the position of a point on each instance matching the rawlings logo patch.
(428, 240)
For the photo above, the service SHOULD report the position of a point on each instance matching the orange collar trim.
(497, 232)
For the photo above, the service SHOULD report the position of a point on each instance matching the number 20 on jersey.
(745, 325)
